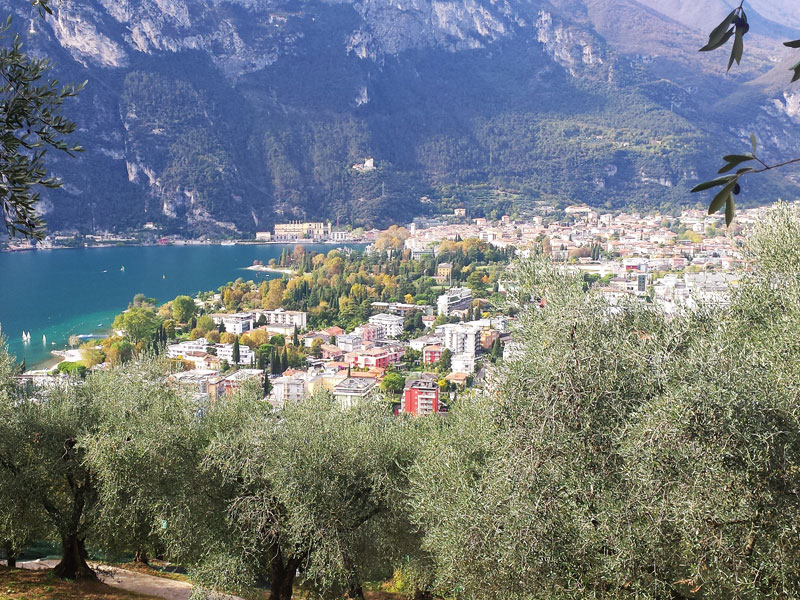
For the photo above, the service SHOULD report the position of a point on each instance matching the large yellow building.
(296, 230)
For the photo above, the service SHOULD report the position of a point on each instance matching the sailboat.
(122, 268)
(26, 337)
(44, 339)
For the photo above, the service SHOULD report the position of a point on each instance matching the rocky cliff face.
(226, 115)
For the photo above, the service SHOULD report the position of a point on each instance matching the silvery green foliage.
(237, 491)
(21, 520)
(143, 451)
(625, 454)
(321, 486)
(42, 459)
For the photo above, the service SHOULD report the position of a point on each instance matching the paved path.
(169, 589)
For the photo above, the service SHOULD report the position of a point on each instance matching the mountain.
(225, 116)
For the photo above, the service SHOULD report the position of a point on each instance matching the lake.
(58, 293)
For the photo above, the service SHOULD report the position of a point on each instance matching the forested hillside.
(225, 117)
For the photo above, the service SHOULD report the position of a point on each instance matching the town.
(420, 315)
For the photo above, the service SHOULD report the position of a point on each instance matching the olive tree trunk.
(11, 557)
(73, 563)
(282, 574)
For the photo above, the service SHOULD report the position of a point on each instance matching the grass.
(23, 584)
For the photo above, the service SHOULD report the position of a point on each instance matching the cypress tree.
(295, 339)
(236, 356)
(267, 385)
(284, 360)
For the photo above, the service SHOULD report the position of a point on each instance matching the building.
(287, 389)
(431, 354)
(225, 352)
(294, 318)
(462, 363)
(348, 343)
(237, 323)
(454, 299)
(488, 337)
(181, 349)
(194, 382)
(228, 384)
(421, 342)
(353, 390)
(297, 230)
(369, 332)
(460, 338)
(331, 352)
(420, 397)
(263, 236)
(401, 308)
(392, 324)
(365, 167)
(375, 357)
(444, 271)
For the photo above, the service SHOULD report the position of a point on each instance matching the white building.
(353, 390)
(293, 318)
(348, 342)
(181, 349)
(462, 363)
(225, 352)
(419, 343)
(460, 338)
(454, 299)
(237, 323)
(392, 324)
(287, 389)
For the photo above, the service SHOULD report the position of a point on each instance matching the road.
(131, 581)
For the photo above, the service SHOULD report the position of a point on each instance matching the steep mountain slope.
(227, 115)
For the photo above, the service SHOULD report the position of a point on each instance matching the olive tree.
(239, 492)
(134, 403)
(625, 454)
(42, 461)
(21, 521)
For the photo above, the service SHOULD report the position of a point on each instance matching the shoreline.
(264, 269)
(190, 243)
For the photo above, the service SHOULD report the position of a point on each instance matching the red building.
(431, 354)
(420, 397)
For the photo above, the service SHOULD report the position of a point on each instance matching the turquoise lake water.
(58, 293)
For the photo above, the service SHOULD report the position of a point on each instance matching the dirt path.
(131, 581)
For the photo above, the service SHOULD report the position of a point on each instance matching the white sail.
(44, 339)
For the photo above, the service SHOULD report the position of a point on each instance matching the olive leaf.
(721, 34)
(723, 196)
(796, 69)
(707, 185)
(738, 46)
(734, 160)
(729, 210)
